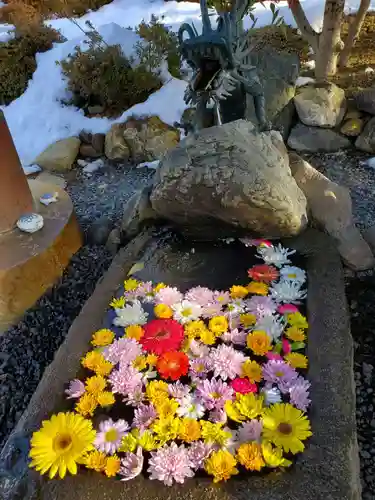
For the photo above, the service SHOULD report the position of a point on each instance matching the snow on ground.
(37, 118)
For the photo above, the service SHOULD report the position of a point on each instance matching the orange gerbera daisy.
(263, 272)
(172, 365)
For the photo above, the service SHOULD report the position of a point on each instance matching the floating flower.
(211, 310)
(95, 460)
(250, 456)
(243, 386)
(252, 370)
(61, 442)
(292, 273)
(117, 303)
(272, 325)
(76, 389)
(275, 356)
(257, 288)
(297, 319)
(134, 332)
(286, 309)
(194, 329)
(200, 295)
(191, 407)
(218, 325)
(105, 399)
(198, 369)
(140, 363)
(261, 306)
(235, 336)
(130, 285)
(198, 452)
(247, 320)
(213, 393)
(166, 408)
(271, 395)
(125, 380)
(259, 342)
(275, 254)
(128, 443)
(168, 296)
(96, 362)
(279, 372)
(198, 350)
(218, 416)
(251, 242)
(112, 466)
(144, 416)
(157, 391)
(232, 411)
(166, 429)
(159, 286)
(299, 393)
(273, 457)
(207, 337)
(162, 335)
(178, 390)
(226, 362)
(108, 439)
(123, 351)
(238, 292)
(145, 292)
(250, 431)
(170, 463)
(296, 334)
(102, 337)
(172, 365)
(263, 272)
(86, 405)
(215, 433)
(287, 291)
(222, 298)
(131, 465)
(147, 441)
(249, 405)
(130, 314)
(221, 464)
(162, 311)
(235, 308)
(296, 360)
(286, 427)
(186, 311)
(190, 430)
(96, 384)
(287, 348)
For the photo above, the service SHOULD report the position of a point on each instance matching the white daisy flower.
(235, 307)
(271, 396)
(276, 255)
(186, 311)
(287, 291)
(130, 314)
(272, 325)
(293, 273)
(190, 407)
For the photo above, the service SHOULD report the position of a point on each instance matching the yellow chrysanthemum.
(151, 359)
(166, 428)
(296, 360)
(250, 456)
(207, 337)
(96, 460)
(140, 363)
(273, 457)
(95, 385)
(259, 342)
(296, 334)
(286, 427)
(96, 362)
(249, 405)
(232, 411)
(102, 337)
(194, 329)
(214, 433)
(128, 443)
(248, 320)
(159, 286)
(61, 442)
(238, 292)
(252, 370)
(221, 464)
(105, 399)
(118, 303)
(112, 466)
(258, 288)
(297, 319)
(148, 442)
(135, 332)
(157, 391)
(86, 405)
(218, 325)
(163, 311)
(166, 408)
(130, 284)
(190, 430)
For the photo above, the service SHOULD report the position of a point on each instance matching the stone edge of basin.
(329, 467)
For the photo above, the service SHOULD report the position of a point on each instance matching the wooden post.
(15, 194)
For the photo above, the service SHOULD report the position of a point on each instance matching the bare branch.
(354, 30)
(303, 24)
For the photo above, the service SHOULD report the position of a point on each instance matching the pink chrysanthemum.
(200, 295)
(168, 296)
(198, 369)
(280, 373)
(214, 309)
(226, 362)
(123, 351)
(198, 349)
(261, 306)
(110, 434)
(145, 291)
(218, 416)
(131, 465)
(178, 390)
(76, 389)
(170, 463)
(198, 452)
(299, 393)
(125, 380)
(250, 431)
(235, 336)
(214, 393)
(222, 298)
(144, 415)
(135, 396)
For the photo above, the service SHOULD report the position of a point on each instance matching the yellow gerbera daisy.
(296, 334)
(96, 460)
(102, 337)
(60, 443)
(286, 427)
(112, 466)
(259, 342)
(163, 311)
(249, 405)
(95, 385)
(221, 464)
(96, 362)
(118, 303)
(258, 288)
(194, 329)
(190, 430)
(105, 399)
(238, 292)
(274, 456)
(218, 325)
(252, 370)
(135, 332)
(131, 284)
(248, 320)
(296, 360)
(232, 411)
(86, 405)
(250, 456)
(297, 319)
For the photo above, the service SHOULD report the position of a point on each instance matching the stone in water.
(30, 223)
(48, 198)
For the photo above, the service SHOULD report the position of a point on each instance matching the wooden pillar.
(15, 194)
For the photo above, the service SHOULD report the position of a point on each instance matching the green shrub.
(61, 8)
(17, 59)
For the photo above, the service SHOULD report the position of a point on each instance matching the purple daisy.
(170, 463)
(261, 306)
(218, 416)
(280, 373)
(235, 336)
(200, 295)
(110, 434)
(222, 298)
(198, 369)
(226, 362)
(76, 389)
(144, 415)
(250, 431)
(299, 393)
(198, 452)
(178, 390)
(213, 393)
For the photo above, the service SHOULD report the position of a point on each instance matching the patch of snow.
(309, 64)
(150, 164)
(304, 80)
(93, 166)
(6, 32)
(82, 163)
(370, 162)
(369, 70)
(31, 169)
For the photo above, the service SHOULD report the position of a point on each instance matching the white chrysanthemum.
(186, 311)
(130, 314)
(271, 396)
(272, 325)
(275, 254)
(235, 307)
(190, 407)
(293, 273)
(287, 291)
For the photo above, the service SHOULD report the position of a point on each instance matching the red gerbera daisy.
(162, 335)
(172, 365)
(264, 273)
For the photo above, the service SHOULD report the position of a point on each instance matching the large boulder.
(365, 100)
(229, 180)
(60, 156)
(140, 139)
(321, 105)
(314, 139)
(330, 208)
(366, 140)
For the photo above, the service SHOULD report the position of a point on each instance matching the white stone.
(31, 169)
(92, 167)
(48, 198)
(30, 223)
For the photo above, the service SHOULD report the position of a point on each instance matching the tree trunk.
(354, 30)
(330, 43)
(307, 32)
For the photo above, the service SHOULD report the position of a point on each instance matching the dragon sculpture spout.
(222, 70)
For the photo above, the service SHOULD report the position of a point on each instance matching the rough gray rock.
(137, 211)
(352, 127)
(320, 106)
(314, 139)
(366, 140)
(227, 180)
(365, 100)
